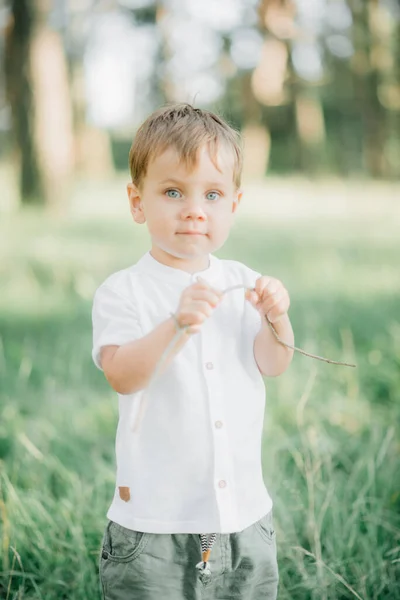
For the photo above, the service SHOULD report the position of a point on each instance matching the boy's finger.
(202, 281)
(205, 283)
(209, 295)
(261, 284)
(252, 296)
(271, 302)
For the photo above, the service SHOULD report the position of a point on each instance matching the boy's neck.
(201, 263)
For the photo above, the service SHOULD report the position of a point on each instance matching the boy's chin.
(179, 253)
(190, 252)
(190, 255)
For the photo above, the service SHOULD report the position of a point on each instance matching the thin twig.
(328, 360)
(180, 331)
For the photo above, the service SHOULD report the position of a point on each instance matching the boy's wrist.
(187, 330)
(175, 320)
(177, 324)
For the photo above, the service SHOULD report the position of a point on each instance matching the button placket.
(223, 467)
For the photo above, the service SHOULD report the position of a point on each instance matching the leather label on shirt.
(124, 493)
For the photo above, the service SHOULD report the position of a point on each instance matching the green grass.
(331, 443)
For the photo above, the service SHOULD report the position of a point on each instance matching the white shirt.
(194, 464)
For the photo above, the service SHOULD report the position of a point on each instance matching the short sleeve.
(115, 321)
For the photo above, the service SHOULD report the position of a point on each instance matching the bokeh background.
(314, 88)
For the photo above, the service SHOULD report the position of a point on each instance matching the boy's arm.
(128, 358)
(129, 367)
(272, 357)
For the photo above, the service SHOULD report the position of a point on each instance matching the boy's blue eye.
(213, 196)
(173, 194)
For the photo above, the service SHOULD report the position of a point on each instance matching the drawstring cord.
(203, 566)
(207, 542)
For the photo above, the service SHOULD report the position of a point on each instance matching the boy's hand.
(196, 304)
(270, 298)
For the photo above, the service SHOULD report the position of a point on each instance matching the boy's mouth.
(190, 233)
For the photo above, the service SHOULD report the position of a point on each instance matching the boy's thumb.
(251, 296)
(203, 281)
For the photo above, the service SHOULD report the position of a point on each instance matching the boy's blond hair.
(186, 129)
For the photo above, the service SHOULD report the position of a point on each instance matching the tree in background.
(313, 86)
(38, 92)
(375, 71)
(19, 95)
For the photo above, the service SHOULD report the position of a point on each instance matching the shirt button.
(218, 424)
(209, 366)
(222, 483)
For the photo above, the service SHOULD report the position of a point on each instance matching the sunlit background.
(312, 84)
(314, 88)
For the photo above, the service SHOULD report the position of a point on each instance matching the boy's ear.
(237, 200)
(135, 203)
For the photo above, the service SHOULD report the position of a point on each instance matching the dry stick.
(182, 329)
(328, 360)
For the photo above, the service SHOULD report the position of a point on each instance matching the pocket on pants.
(265, 527)
(121, 544)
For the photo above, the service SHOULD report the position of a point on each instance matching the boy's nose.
(193, 211)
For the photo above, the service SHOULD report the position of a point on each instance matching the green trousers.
(153, 566)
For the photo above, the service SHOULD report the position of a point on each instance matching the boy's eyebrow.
(178, 182)
(170, 180)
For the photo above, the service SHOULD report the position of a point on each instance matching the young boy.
(189, 485)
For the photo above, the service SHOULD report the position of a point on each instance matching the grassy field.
(331, 443)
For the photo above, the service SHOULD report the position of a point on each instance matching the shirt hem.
(171, 527)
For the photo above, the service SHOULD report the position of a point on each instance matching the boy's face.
(189, 212)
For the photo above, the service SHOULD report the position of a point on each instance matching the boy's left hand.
(270, 298)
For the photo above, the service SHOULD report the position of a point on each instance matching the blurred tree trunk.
(308, 113)
(345, 136)
(19, 95)
(38, 92)
(301, 153)
(167, 88)
(278, 20)
(395, 147)
(366, 78)
(53, 108)
(385, 31)
(255, 133)
(310, 127)
(92, 145)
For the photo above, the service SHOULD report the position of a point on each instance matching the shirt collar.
(148, 264)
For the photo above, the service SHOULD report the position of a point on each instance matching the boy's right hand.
(197, 303)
